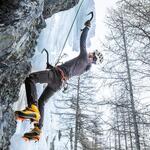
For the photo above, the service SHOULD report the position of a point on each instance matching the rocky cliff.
(20, 24)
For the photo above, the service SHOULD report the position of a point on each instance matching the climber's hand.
(49, 66)
(87, 23)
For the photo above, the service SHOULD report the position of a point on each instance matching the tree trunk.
(115, 140)
(130, 89)
(110, 142)
(130, 132)
(144, 144)
(124, 129)
(77, 116)
(71, 136)
(118, 130)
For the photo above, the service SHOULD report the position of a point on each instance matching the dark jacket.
(79, 64)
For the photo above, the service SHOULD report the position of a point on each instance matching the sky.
(101, 7)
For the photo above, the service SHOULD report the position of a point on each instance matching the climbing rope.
(57, 61)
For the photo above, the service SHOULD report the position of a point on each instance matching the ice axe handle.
(48, 65)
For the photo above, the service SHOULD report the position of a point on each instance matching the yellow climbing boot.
(31, 113)
(33, 135)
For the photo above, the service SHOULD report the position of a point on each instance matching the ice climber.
(54, 78)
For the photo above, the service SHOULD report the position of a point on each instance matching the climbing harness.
(64, 78)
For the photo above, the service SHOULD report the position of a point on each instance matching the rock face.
(51, 6)
(20, 24)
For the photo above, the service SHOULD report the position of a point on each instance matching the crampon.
(33, 135)
(28, 138)
(31, 113)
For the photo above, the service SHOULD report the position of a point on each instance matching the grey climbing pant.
(52, 78)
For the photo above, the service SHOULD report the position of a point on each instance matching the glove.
(87, 23)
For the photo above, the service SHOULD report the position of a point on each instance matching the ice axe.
(87, 23)
(48, 65)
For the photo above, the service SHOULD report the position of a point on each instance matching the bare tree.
(120, 67)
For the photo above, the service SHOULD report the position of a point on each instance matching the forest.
(109, 109)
